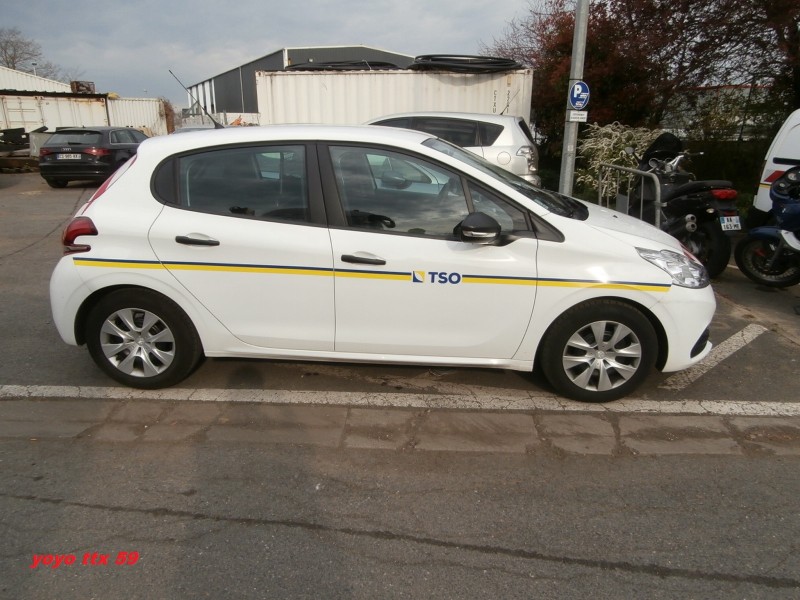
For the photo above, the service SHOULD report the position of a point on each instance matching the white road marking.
(683, 379)
(483, 402)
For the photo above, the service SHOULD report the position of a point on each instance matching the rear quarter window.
(489, 133)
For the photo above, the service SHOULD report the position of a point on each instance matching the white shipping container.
(32, 112)
(353, 97)
(146, 114)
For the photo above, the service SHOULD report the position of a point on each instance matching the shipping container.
(31, 111)
(353, 97)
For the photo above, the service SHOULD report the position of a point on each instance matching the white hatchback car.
(503, 140)
(367, 244)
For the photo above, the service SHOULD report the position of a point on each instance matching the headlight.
(684, 269)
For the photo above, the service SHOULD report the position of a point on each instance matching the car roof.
(162, 146)
(486, 118)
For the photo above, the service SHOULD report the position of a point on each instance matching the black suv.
(86, 153)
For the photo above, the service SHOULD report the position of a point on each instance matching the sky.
(129, 47)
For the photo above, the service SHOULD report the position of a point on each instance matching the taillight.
(45, 152)
(76, 228)
(97, 151)
(774, 176)
(531, 155)
(724, 194)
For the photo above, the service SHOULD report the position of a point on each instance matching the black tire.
(142, 339)
(710, 245)
(57, 183)
(752, 256)
(580, 367)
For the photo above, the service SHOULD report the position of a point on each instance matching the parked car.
(782, 155)
(367, 244)
(503, 140)
(86, 153)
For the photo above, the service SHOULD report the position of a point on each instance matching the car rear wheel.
(57, 183)
(142, 339)
(598, 351)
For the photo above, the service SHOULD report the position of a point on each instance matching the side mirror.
(392, 179)
(478, 228)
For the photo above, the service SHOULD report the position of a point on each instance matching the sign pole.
(575, 76)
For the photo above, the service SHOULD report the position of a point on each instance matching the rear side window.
(122, 136)
(258, 182)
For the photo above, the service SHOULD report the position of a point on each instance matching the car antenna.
(216, 124)
(508, 104)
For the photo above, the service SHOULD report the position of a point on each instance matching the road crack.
(648, 569)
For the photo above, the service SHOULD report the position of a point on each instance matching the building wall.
(17, 80)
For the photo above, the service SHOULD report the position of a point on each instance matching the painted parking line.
(483, 401)
(736, 342)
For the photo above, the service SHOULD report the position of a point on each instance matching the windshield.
(552, 201)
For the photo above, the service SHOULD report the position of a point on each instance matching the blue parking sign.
(579, 95)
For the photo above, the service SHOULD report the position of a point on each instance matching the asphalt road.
(261, 479)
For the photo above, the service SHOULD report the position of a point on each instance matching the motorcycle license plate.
(730, 223)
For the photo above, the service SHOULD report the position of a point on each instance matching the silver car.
(503, 140)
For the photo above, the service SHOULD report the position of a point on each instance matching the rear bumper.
(58, 171)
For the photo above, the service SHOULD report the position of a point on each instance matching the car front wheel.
(142, 339)
(598, 351)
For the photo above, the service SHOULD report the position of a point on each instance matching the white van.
(783, 153)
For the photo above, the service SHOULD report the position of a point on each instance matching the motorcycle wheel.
(752, 257)
(710, 245)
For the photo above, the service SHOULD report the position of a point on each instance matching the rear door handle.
(192, 240)
(363, 260)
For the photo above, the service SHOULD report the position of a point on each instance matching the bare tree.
(22, 54)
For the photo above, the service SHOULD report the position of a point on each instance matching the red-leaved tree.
(645, 57)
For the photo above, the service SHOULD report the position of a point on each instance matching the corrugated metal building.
(17, 80)
(235, 90)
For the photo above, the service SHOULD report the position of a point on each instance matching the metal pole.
(575, 74)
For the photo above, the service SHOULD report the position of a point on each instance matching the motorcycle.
(770, 255)
(698, 213)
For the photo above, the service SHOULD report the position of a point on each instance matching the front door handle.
(191, 240)
(363, 260)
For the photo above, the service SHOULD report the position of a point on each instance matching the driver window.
(509, 217)
(384, 190)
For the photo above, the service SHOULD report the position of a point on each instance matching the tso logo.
(440, 277)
